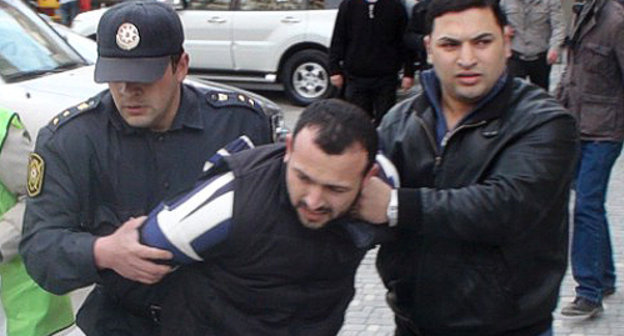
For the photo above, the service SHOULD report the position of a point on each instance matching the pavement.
(368, 314)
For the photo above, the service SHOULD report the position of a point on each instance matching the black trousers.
(375, 95)
(537, 70)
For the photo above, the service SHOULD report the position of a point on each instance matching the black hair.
(438, 8)
(340, 125)
(175, 60)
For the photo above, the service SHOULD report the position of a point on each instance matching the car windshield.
(29, 48)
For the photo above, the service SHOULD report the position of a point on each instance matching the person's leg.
(64, 10)
(590, 237)
(384, 97)
(404, 327)
(608, 278)
(73, 11)
(539, 72)
(517, 67)
(359, 95)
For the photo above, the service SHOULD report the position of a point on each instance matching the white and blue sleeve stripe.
(195, 223)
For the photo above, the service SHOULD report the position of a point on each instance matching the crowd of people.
(175, 206)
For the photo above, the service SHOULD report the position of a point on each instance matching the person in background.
(367, 51)
(592, 88)
(486, 162)
(28, 309)
(415, 33)
(68, 9)
(99, 166)
(538, 33)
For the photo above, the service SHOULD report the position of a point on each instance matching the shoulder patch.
(71, 112)
(36, 168)
(220, 99)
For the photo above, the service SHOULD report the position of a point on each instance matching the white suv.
(264, 41)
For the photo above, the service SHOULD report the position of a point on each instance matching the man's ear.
(373, 171)
(507, 34)
(182, 67)
(289, 146)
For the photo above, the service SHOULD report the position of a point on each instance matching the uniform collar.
(188, 115)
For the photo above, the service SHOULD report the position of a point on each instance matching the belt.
(527, 58)
(150, 311)
(154, 313)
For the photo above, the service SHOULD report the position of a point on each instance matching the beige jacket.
(13, 170)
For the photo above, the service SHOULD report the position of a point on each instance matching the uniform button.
(166, 185)
(161, 138)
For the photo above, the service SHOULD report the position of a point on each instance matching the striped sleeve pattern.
(195, 223)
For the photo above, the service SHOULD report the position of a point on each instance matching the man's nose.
(130, 88)
(466, 57)
(314, 197)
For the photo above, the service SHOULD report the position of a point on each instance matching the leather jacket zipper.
(439, 152)
(431, 140)
(448, 136)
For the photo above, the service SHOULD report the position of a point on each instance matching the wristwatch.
(393, 208)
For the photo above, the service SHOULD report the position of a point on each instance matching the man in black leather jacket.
(485, 163)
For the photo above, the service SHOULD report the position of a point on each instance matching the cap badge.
(128, 36)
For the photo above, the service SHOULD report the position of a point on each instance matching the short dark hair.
(340, 125)
(438, 8)
(175, 60)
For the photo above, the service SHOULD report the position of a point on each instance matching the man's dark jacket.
(271, 276)
(366, 47)
(482, 224)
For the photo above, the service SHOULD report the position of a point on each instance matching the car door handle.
(290, 19)
(216, 19)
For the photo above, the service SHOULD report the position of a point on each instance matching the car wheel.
(306, 77)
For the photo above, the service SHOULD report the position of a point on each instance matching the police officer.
(99, 166)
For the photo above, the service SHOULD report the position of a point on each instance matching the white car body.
(38, 100)
(284, 42)
(27, 43)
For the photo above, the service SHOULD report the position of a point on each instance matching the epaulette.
(70, 113)
(220, 99)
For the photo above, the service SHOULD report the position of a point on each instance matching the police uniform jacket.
(482, 242)
(91, 172)
(270, 275)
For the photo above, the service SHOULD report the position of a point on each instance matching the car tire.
(305, 77)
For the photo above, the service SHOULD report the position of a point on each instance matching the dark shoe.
(581, 308)
(608, 292)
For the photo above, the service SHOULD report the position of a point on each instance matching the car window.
(214, 5)
(324, 4)
(29, 48)
(272, 5)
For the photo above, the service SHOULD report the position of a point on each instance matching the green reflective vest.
(29, 310)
